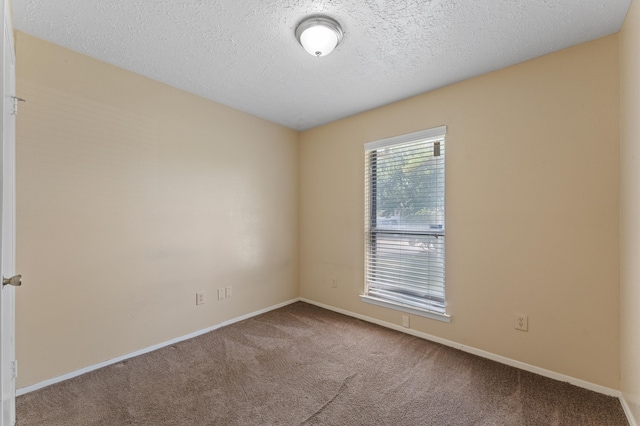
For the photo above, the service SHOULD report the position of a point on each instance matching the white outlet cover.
(200, 299)
(405, 321)
(522, 322)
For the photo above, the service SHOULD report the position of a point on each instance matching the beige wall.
(131, 197)
(532, 209)
(630, 210)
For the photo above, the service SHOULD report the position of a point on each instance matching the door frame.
(8, 365)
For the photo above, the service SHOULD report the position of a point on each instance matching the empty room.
(320, 212)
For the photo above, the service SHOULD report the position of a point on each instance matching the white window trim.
(405, 308)
(434, 132)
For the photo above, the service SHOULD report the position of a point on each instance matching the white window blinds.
(405, 213)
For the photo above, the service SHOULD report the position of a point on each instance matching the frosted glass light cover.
(319, 35)
(319, 40)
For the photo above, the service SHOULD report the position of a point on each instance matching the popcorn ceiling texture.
(243, 53)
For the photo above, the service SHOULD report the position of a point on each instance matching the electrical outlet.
(220, 293)
(227, 292)
(334, 282)
(522, 322)
(405, 321)
(199, 298)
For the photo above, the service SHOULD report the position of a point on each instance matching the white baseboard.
(76, 373)
(627, 411)
(484, 354)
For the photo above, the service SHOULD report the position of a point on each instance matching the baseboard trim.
(479, 352)
(48, 382)
(627, 411)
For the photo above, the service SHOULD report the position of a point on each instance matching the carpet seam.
(326, 404)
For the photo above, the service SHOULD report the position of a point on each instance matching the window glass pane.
(409, 190)
(405, 223)
(409, 265)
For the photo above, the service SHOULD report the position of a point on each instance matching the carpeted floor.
(303, 365)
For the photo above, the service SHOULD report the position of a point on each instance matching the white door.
(8, 367)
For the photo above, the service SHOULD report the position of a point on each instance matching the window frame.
(371, 229)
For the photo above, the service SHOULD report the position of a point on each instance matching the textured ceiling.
(243, 53)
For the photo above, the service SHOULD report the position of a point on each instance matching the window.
(405, 223)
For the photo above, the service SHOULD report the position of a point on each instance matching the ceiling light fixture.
(319, 35)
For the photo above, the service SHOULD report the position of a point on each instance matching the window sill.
(404, 308)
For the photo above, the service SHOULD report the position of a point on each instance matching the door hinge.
(15, 100)
(14, 369)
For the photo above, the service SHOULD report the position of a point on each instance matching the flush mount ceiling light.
(319, 35)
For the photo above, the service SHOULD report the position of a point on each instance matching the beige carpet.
(302, 365)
